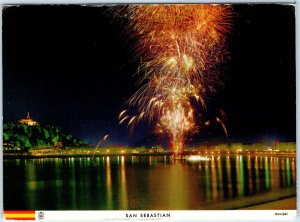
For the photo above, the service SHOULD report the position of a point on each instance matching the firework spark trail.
(179, 45)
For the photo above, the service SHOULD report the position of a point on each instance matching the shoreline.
(282, 199)
(288, 203)
(170, 154)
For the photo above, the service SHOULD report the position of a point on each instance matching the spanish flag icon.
(19, 214)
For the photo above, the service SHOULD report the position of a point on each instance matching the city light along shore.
(277, 149)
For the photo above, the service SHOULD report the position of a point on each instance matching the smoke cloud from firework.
(180, 47)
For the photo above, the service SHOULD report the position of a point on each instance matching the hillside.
(18, 136)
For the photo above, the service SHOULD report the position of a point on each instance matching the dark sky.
(72, 67)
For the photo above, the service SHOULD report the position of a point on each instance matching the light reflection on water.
(140, 182)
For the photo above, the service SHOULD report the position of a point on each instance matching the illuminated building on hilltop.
(28, 121)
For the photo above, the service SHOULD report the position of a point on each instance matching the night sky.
(73, 67)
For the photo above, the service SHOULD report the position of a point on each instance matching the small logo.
(41, 215)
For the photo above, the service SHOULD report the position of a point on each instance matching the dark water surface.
(137, 182)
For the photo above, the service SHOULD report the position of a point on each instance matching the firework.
(179, 46)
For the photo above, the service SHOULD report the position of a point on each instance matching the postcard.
(149, 112)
